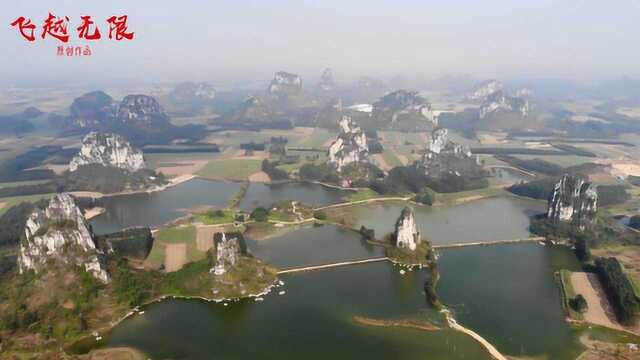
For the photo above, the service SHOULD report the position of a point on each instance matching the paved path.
(327, 266)
(393, 198)
(511, 168)
(379, 259)
(487, 345)
(489, 243)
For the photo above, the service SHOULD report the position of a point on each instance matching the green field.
(174, 235)
(462, 196)
(317, 139)
(390, 158)
(364, 194)
(156, 160)
(21, 183)
(212, 218)
(11, 201)
(230, 169)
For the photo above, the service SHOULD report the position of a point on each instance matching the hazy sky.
(223, 40)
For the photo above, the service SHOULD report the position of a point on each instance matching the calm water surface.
(314, 245)
(157, 208)
(501, 218)
(265, 195)
(505, 292)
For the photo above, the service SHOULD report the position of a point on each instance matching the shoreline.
(158, 299)
(98, 195)
(487, 345)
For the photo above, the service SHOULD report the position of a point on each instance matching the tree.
(426, 196)
(634, 222)
(320, 215)
(578, 303)
(582, 248)
(260, 214)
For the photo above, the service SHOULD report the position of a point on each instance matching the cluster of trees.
(272, 170)
(612, 194)
(260, 214)
(93, 177)
(13, 220)
(16, 169)
(634, 180)
(130, 287)
(543, 189)
(320, 172)
(406, 179)
(320, 215)
(367, 233)
(536, 189)
(426, 196)
(619, 288)
(578, 303)
(252, 146)
(133, 242)
(573, 150)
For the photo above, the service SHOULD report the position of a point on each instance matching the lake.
(500, 218)
(314, 195)
(504, 292)
(158, 208)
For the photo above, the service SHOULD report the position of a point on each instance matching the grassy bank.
(230, 169)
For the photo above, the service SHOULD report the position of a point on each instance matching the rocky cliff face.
(349, 147)
(59, 233)
(92, 110)
(402, 103)
(326, 81)
(253, 109)
(228, 253)
(285, 83)
(109, 150)
(443, 156)
(98, 110)
(498, 101)
(141, 110)
(484, 89)
(573, 200)
(406, 231)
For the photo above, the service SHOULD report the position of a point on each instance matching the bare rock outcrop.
(574, 200)
(141, 110)
(443, 156)
(227, 253)
(109, 150)
(327, 83)
(285, 83)
(484, 89)
(59, 233)
(350, 146)
(500, 102)
(406, 232)
(401, 104)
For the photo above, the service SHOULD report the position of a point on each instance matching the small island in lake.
(408, 246)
